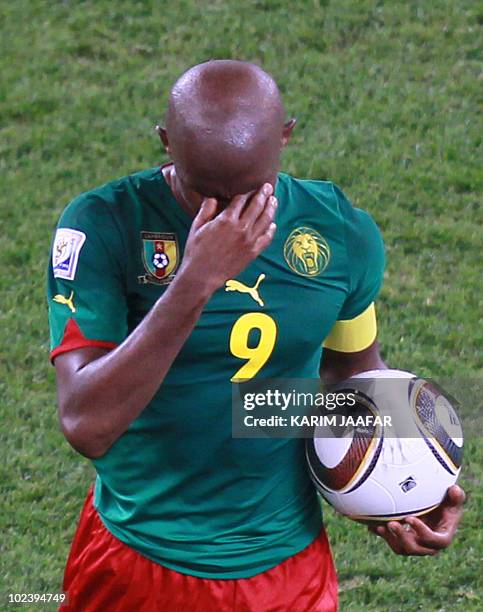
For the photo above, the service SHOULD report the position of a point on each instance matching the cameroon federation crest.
(306, 252)
(160, 257)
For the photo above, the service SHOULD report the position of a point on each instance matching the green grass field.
(386, 96)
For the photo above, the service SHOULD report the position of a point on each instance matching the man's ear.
(287, 131)
(163, 135)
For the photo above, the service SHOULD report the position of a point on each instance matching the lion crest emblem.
(306, 252)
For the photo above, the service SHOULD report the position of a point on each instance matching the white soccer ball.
(380, 472)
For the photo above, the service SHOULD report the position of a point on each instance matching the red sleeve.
(74, 338)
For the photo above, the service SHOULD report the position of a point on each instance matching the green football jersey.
(176, 486)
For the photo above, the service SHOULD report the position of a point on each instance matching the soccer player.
(165, 286)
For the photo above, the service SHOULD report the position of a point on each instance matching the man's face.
(195, 186)
(204, 170)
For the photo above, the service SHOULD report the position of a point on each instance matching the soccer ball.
(400, 456)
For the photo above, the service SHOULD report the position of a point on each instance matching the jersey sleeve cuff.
(353, 335)
(74, 339)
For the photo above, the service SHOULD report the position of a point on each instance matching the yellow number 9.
(258, 355)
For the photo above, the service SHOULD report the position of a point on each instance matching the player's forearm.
(110, 392)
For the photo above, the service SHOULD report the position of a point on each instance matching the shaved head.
(225, 127)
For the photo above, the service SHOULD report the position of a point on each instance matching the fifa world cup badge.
(65, 252)
(160, 256)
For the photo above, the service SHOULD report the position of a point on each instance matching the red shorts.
(103, 575)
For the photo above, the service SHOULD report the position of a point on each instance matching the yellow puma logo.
(234, 285)
(67, 301)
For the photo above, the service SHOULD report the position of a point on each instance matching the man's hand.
(221, 245)
(428, 534)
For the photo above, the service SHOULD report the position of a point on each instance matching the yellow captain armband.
(355, 334)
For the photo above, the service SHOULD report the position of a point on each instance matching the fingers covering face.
(265, 219)
(206, 213)
(266, 238)
(257, 205)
